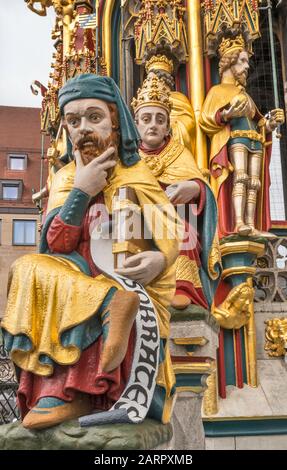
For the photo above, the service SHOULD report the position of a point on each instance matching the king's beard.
(93, 145)
(241, 78)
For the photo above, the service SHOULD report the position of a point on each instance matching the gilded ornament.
(193, 367)
(234, 312)
(248, 134)
(210, 397)
(159, 163)
(194, 341)
(187, 270)
(214, 259)
(276, 337)
(244, 246)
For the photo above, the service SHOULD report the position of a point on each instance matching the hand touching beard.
(93, 145)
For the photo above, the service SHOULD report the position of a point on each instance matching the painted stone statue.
(197, 267)
(240, 150)
(84, 340)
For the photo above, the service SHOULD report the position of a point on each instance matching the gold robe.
(174, 163)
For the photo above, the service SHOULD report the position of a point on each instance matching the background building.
(20, 170)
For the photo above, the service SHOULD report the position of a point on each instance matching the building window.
(11, 190)
(17, 162)
(24, 232)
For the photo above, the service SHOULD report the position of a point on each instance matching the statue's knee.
(254, 183)
(21, 264)
(240, 177)
(31, 258)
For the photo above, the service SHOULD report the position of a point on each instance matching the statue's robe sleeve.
(182, 121)
(63, 237)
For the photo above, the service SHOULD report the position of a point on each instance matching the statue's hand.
(92, 178)
(183, 192)
(237, 108)
(276, 118)
(143, 267)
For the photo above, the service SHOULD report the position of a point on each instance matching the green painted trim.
(182, 77)
(194, 313)
(214, 71)
(190, 380)
(229, 358)
(239, 238)
(237, 279)
(233, 260)
(280, 232)
(116, 26)
(244, 368)
(74, 208)
(191, 347)
(245, 427)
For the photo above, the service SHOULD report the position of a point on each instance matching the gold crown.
(154, 92)
(159, 62)
(229, 45)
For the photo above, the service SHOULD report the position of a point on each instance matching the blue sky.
(26, 51)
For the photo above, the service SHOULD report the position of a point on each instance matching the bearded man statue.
(73, 331)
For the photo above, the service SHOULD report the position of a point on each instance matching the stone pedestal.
(193, 345)
(188, 432)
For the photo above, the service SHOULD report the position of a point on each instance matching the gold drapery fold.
(48, 296)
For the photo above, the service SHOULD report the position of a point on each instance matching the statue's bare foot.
(243, 230)
(41, 417)
(122, 313)
(180, 302)
(262, 233)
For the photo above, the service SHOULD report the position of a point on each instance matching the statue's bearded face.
(153, 126)
(90, 126)
(241, 68)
